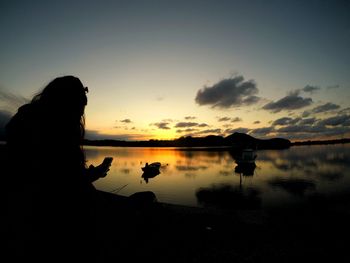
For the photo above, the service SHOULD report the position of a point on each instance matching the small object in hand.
(108, 160)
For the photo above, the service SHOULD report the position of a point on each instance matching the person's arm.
(100, 171)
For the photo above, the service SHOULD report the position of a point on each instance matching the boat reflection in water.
(230, 196)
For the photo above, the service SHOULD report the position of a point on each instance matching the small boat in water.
(246, 162)
(150, 170)
(151, 167)
(247, 156)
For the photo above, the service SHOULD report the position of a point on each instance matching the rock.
(144, 198)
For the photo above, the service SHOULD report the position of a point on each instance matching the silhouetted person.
(52, 201)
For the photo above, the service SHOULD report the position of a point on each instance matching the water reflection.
(277, 176)
(245, 169)
(293, 185)
(245, 161)
(182, 168)
(310, 159)
(149, 174)
(229, 197)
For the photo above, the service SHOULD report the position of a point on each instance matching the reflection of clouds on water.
(207, 157)
(225, 173)
(125, 171)
(190, 175)
(229, 197)
(311, 156)
(310, 161)
(294, 186)
(190, 167)
(331, 176)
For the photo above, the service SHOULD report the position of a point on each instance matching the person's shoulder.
(24, 114)
(26, 108)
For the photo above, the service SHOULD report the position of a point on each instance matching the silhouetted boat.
(153, 167)
(246, 162)
(150, 170)
(247, 157)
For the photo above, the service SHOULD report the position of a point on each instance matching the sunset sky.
(166, 69)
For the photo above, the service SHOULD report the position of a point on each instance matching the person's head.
(63, 101)
(64, 95)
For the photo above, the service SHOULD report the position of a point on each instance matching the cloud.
(194, 132)
(343, 120)
(308, 121)
(161, 125)
(240, 130)
(224, 119)
(310, 132)
(344, 111)
(185, 124)
(126, 121)
(310, 89)
(251, 100)
(256, 122)
(210, 131)
(230, 92)
(333, 87)
(282, 121)
(262, 131)
(216, 131)
(325, 107)
(96, 135)
(190, 118)
(306, 113)
(299, 128)
(289, 102)
(286, 121)
(237, 119)
(11, 102)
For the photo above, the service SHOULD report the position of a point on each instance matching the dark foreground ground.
(157, 232)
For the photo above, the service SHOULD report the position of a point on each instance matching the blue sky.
(165, 69)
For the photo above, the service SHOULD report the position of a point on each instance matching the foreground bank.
(159, 232)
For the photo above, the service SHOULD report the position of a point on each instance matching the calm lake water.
(204, 177)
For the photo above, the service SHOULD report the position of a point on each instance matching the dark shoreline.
(210, 143)
(174, 144)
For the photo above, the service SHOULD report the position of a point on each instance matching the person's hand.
(101, 170)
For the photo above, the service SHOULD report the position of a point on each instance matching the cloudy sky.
(165, 69)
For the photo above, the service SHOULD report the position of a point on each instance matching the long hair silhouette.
(56, 114)
(47, 171)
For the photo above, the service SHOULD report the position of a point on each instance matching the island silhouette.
(236, 140)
